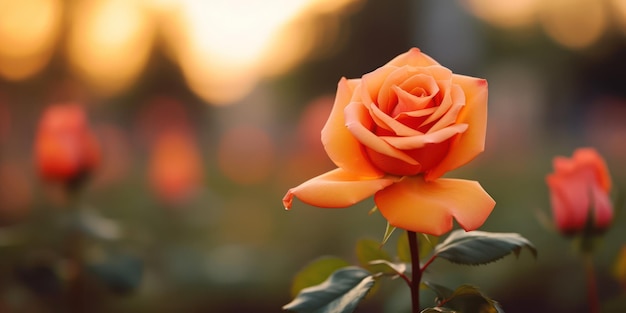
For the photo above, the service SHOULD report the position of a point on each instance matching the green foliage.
(368, 250)
(120, 273)
(390, 267)
(467, 299)
(438, 310)
(340, 293)
(316, 272)
(478, 247)
(442, 292)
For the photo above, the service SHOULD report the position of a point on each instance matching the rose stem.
(592, 287)
(416, 271)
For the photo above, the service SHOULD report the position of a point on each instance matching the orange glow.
(109, 43)
(175, 166)
(619, 9)
(506, 14)
(246, 155)
(28, 31)
(574, 24)
(224, 47)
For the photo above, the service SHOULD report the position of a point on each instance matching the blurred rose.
(66, 150)
(394, 133)
(579, 192)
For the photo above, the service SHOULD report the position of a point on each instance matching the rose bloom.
(66, 150)
(393, 133)
(579, 191)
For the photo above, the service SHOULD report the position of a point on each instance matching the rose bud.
(66, 150)
(579, 193)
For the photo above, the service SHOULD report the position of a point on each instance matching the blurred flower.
(175, 166)
(66, 150)
(579, 192)
(394, 133)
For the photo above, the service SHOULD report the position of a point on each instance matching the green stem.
(592, 287)
(416, 271)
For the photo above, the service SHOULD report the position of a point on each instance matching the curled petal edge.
(337, 189)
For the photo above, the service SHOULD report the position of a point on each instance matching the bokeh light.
(507, 14)
(28, 34)
(175, 167)
(574, 23)
(224, 47)
(109, 43)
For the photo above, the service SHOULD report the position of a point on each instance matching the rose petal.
(413, 57)
(590, 157)
(602, 207)
(449, 117)
(387, 122)
(569, 197)
(371, 89)
(342, 148)
(429, 207)
(419, 141)
(468, 145)
(336, 189)
(357, 116)
(408, 102)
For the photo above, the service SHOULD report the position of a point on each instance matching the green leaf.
(438, 310)
(390, 267)
(468, 298)
(368, 250)
(478, 247)
(340, 293)
(442, 292)
(316, 272)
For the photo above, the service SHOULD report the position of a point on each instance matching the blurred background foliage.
(208, 111)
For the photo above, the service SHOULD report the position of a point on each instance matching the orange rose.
(393, 133)
(579, 190)
(65, 147)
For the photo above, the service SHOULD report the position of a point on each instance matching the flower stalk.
(592, 286)
(416, 271)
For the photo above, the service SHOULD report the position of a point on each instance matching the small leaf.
(340, 293)
(468, 298)
(316, 272)
(442, 292)
(397, 268)
(438, 310)
(478, 247)
(368, 250)
(388, 231)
